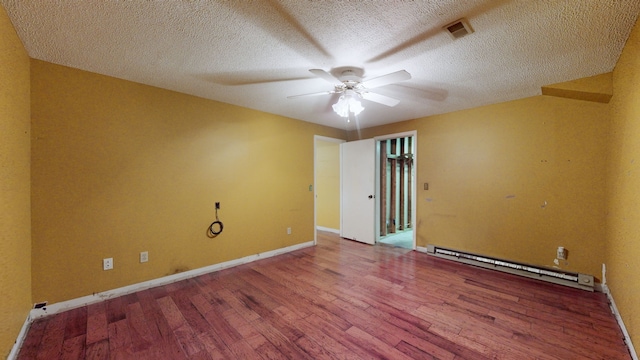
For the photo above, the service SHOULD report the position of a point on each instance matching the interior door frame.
(414, 134)
(317, 138)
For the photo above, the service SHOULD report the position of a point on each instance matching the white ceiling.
(256, 53)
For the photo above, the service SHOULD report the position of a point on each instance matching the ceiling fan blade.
(383, 80)
(312, 94)
(381, 99)
(326, 76)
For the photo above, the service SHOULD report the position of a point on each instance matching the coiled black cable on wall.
(213, 232)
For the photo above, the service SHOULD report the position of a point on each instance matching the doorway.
(396, 190)
(405, 157)
(326, 185)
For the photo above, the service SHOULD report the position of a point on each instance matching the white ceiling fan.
(352, 87)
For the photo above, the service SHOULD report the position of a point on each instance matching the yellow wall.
(120, 168)
(623, 185)
(328, 184)
(492, 169)
(15, 214)
(594, 88)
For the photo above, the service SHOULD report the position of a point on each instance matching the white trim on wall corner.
(597, 287)
(616, 313)
(322, 228)
(21, 337)
(98, 297)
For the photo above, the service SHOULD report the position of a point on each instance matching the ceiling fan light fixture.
(347, 104)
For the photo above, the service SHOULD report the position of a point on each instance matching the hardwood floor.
(339, 300)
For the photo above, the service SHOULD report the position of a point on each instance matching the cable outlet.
(288, 231)
(217, 205)
(107, 264)
(40, 305)
(144, 256)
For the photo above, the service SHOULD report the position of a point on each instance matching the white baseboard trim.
(322, 228)
(21, 337)
(616, 313)
(98, 297)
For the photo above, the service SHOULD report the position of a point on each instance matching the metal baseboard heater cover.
(556, 276)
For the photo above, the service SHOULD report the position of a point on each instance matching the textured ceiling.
(256, 53)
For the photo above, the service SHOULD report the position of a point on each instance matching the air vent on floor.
(459, 28)
(556, 276)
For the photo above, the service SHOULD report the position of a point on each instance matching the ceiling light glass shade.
(347, 104)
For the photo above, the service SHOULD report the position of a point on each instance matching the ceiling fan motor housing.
(350, 85)
(350, 76)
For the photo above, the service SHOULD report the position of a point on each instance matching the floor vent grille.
(556, 276)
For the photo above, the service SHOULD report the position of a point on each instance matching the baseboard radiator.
(556, 276)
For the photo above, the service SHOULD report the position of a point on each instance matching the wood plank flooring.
(339, 300)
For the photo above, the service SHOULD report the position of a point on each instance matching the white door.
(358, 190)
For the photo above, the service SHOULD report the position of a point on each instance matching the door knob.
(371, 196)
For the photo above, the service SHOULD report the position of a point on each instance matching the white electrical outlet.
(289, 231)
(144, 256)
(107, 264)
(561, 253)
